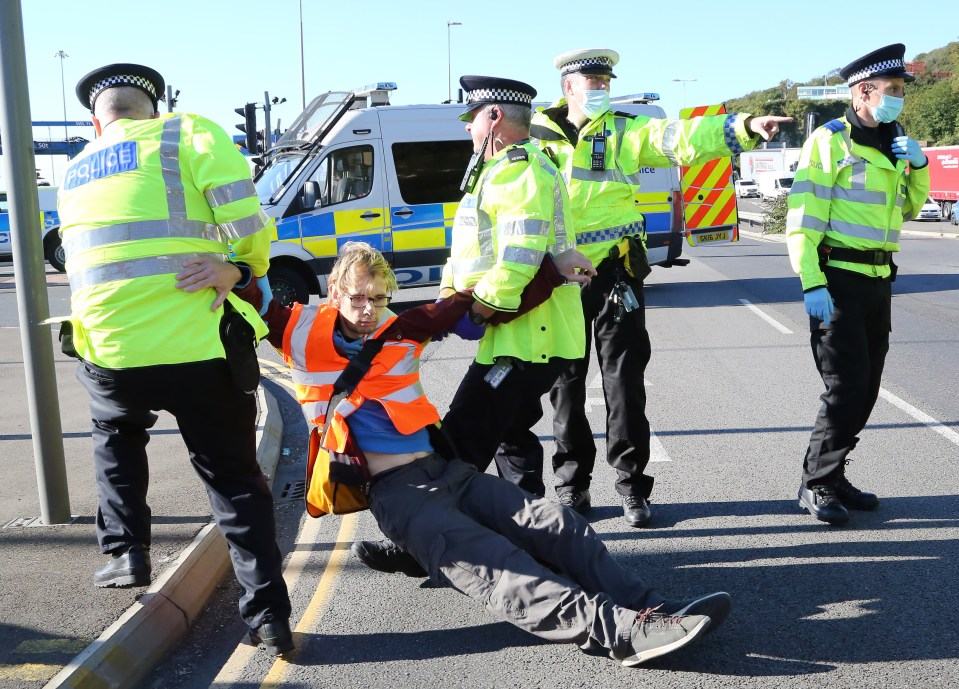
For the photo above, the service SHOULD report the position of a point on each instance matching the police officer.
(150, 196)
(858, 178)
(600, 153)
(515, 211)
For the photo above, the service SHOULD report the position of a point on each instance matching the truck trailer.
(944, 178)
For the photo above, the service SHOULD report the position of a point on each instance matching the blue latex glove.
(907, 148)
(264, 284)
(467, 329)
(819, 304)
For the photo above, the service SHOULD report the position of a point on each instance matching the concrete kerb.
(130, 647)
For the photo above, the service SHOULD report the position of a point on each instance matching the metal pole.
(302, 70)
(61, 54)
(449, 61)
(266, 121)
(32, 305)
(169, 98)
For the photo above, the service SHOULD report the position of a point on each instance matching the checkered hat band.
(883, 66)
(498, 96)
(123, 80)
(577, 65)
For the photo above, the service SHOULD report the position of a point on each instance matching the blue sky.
(222, 54)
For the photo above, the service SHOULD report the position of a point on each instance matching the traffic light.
(249, 126)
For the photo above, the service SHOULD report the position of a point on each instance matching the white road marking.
(920, 416)
(657, 453)
(769, 319)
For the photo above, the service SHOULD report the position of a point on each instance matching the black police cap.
(494, 90)
(886, 62)
(121, 74)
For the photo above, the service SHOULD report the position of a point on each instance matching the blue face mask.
(595, 103)
(888, 109)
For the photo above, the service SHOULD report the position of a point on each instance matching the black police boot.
(130, 567)
(636, 510)
(386, 556)
(851, 497)
(273, 636)
(575, 500)
(822, 502)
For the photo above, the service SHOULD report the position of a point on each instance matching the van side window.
(431, 171)
(345, 175)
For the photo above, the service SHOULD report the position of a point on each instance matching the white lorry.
(774, 184)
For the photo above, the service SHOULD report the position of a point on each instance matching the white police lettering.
(121, 157)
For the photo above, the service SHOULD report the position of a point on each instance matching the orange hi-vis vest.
(393, 379)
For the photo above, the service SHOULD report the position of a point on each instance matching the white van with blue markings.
(353, 167)
(49, 227)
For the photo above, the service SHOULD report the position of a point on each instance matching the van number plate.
(712, 237)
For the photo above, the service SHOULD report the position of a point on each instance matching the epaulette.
(517, 154)
(835, 126)
(627, 115)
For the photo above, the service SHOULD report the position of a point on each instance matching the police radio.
(598, 157)
(475, 167)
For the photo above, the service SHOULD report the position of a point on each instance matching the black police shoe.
(851, 497)
(636, 510)
(715, 606)
(273, 636)
(575, 500)
(822, 502)
(130, 567)
(386, 556)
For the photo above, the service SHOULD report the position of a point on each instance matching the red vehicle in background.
(944, 179)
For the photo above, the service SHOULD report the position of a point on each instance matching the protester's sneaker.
(386, 556)
(851, 497)
(130, 567)
(655, 634)
(823, 503)
(636, 510)
(273, 636)
(715, 606)
(575, 500)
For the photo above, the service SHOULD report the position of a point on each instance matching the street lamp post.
(302, 71)
(684, 89)
(62, 54)
(449, 61)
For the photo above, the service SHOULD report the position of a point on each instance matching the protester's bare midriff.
(379, 461)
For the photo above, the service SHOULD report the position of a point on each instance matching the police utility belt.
(871, 257)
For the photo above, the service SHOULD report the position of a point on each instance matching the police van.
(49, 227)
(352, 167)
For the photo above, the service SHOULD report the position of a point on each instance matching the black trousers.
(218, 425)
(486, 423)
(623, 351)
(850, 354)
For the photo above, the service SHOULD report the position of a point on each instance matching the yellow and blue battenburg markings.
(121, 157)
(654, 206)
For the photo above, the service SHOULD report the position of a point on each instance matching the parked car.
(930, 211)
(746, 188)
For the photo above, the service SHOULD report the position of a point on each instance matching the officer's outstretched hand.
(767, 126)
(907, 148)
(204, 271)
(575, 267)
(819, 304)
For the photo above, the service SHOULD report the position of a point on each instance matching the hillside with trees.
(930, 114)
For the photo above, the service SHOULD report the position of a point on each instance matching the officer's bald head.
(123, 103)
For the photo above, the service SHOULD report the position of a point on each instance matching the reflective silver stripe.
(795, 220)
(132, 268)
(170, 165)
(559, 217)
(300, 336)
(466, 220)
(670, 139)
(407, 365)
(465, 266)
(523, 256)
(301, 377)
(484, 233)
(857, 180)
(315, 410)
(408, 394)
(178, 228)
(893, 236)
(345, 407)
(620, 124)
(526, 227)
(610, 233)
(228, 193)
(820, 191)
(584, 175)
(876, 234)
(244, 227)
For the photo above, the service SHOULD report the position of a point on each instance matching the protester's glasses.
(360, 301)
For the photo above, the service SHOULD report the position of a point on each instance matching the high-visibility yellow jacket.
(143, 197)
(519, 211)
(848, 195)
(602, 200)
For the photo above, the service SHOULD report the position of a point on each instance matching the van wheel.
(288, 286)
(53, 251)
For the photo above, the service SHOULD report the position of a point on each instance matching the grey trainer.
(655, 634)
